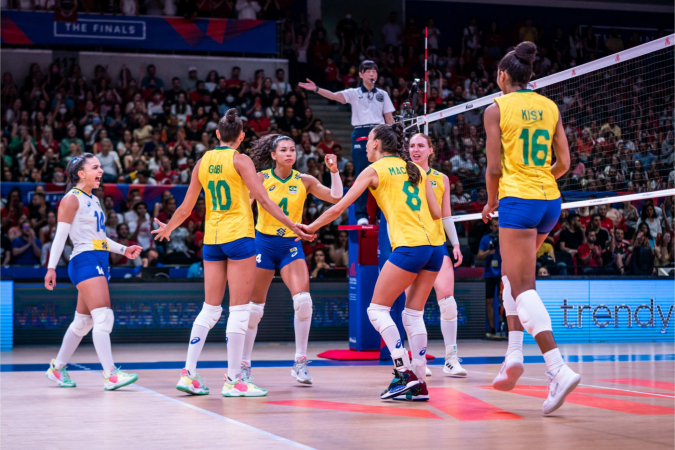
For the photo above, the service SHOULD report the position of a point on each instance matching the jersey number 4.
(216, 190)
(532, 149)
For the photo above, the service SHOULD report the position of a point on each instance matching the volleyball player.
(81, 217)
(229, 251)
(405, 196)
(522, 129)
(276, 246)
(421, 151)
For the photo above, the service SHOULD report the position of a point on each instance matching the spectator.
(602, 236)
(605, 221)
(572, 235)
(341, 161)
(141, 228)
(26, 247)
(619, 248)
(612, 126)
(650, 218)
(65, 144)
(109, 209)
(247, 9)
(339, 251)
(348, 175)
(122, 238)
(327, 143)
(171, 96)
(590, 254)
(144, 176)
(642, 243)
(151, 81)
(259, 123)
(462, 163)
(614, 43)
(481, 200)
(110, 162)
(166, 173)
(459, 199)
(190, 83)
(488, 251)
(143, 133)
(319, 266)
(391, 31)
(664, 252)
(644, 156)
(528, 32)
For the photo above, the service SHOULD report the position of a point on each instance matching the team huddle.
(414, 199)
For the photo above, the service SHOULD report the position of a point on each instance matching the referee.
(370, 107)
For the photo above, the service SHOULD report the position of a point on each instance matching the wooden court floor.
(626, 400)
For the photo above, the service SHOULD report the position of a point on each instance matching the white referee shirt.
(368, 107)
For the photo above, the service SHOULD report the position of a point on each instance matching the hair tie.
(283, 137)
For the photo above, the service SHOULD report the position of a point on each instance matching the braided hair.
(394, 143)
(261, 150)
(73, 168)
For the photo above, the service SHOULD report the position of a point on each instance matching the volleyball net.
(618, 116)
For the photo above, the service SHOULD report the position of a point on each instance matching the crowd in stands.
(150, 128)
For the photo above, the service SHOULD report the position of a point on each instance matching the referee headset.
(363, 68)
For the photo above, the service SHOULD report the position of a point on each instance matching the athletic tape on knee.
(380, 317)
(257, 311)
(237, 323)
(532, 313)
(302, 303)
(510, 306)
(81, 324)
(209, 316)
(104, 319)
(413, 322)
(448, 307)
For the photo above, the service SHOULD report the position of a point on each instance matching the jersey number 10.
(531, 149)
(216, 190)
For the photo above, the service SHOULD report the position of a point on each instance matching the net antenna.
(644, 73)
(426, 42)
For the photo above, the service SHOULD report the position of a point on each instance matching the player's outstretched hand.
(301, 231)
(310, 85)
(487, 211)
(50, 279)
(331, 163)
(457, 253)
(133, 251)
(161, 233)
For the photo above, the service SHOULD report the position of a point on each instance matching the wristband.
(317, 89)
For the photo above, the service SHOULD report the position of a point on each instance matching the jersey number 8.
(216, 195)
(531, 149)
(412, 196)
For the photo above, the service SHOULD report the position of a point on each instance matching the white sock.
(102, 344)
(197, 339)
(70, 343)
(235, 350)
(515, 342)
(449, 330)
(418, 347)
(301, 336)
(391, 338)
(249, 341)
(554, 360)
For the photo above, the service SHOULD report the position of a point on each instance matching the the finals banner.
(143, 32)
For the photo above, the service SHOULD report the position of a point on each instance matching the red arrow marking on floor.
(464, 407)
(642, 383)
(353, 407)
(578, 397)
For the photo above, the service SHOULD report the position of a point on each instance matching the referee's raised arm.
(311, 86)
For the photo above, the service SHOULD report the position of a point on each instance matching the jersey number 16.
(531, 149)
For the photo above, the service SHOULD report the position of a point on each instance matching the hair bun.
(231, 114)
(526, 51)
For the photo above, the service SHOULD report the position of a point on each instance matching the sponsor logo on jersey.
(292, 189)
(294, 251)
(379, 97)
(266, 175)
(297, 176)
(281, 231)
(88, 204)
(195, 340)
(272, 188)
(433, 184)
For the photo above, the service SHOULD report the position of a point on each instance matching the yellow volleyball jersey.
(404, 205)
(228, 208)
(528, 122)
(436, 180)
(290, 194)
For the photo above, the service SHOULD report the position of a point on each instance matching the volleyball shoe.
(59, 376)
(193, 385)
(118, 379)
(242, 388)
(300, 371)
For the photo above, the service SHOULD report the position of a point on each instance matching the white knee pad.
(257, 311)
(237, 323)
(413, 322)
(448, 307)
(81, 324)
(209, 316)
(302, 303)
(532, 313)
(380, 318)
(510, 306)
(103, 319)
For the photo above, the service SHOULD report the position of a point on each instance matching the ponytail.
(394, 143)
(261, 150)
(73, 168)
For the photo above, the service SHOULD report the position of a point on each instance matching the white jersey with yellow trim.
(87, 232)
